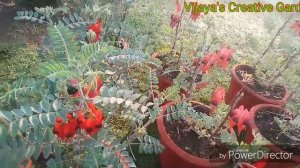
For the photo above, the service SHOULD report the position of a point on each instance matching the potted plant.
(87, 113)
(260, 80)
(282, 124)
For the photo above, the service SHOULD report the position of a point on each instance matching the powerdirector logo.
(244, 154)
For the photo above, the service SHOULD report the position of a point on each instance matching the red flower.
(296, 26)
(65, 130)
(207, 62)
(92, 122)
(217, 98)
(241, 118)
(96, 28)
(224, 57)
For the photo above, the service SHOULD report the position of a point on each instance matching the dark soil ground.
(275, 92)
(270, 129)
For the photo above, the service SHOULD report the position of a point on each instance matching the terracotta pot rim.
(255, 94)
(272, 146)
(181, 153)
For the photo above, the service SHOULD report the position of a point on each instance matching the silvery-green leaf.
(7, 115)
(45, 105)
(57, 104)
(23, 124)
(39, 135)
(135, 106)
(47, 150)
(34, 121)
(13, 128)
(51, 118)
(27, 110)
(30, 151)
(44, 119)
(48, 136)
(144, 109)
(36, 109)
(18, 112)
(112, 100)
(37, 151)
(128, 103)
(150, 104)
(120, 100)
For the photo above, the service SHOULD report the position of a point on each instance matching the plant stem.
(176, 33)
(191, 88)
(274, 38)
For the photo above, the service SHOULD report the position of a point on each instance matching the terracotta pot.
(295, 159)
(174, 157)
(250, 98)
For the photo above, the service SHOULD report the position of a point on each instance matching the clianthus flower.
(224, 57)
(241, 118)
(96, 28)
(217, 98)
(65, 130)
(207, 62)
(92, 121)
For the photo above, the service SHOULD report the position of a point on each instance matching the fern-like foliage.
(134, 105)
(21, 87)
(150, 145)
(63, 43)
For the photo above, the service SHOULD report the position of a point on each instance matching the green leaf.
(34, 121)
(30, 151)
(13, 128)
(23, 124)
(57, 104)
(37, 151)
(45, 106)
(39, 135)
(62, 114)
(36, 109)
(48, 136)
(18, 113)
(27, 110)
(51, 118)
(47, 150)
(7, 115)
(44, 119)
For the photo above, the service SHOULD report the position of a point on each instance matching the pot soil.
(264, 122)
(184, 148)
(254, 93)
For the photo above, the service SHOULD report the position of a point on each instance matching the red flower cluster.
(65, 130)
(241, 118)
(175, 18)
(92, 122)
(296, 26)
(96, 28)
(221, 58)
(224, 57)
